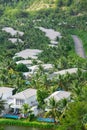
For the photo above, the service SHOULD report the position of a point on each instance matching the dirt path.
(78, 46)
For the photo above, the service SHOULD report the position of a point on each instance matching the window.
(19, 102)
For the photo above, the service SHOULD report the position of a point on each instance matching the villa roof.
(32, 53)
(62, 72)
(71, 70)
(12, 31)
(25, 94)
(59, 95)
(14, 40)
(26, 62)
(45, 66)
(5, 89)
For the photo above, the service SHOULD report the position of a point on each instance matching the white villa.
(36, 67)
(12, 31)
(6, 92)
(58, 95)
(63, 72)
(33, 69)
(28, 63)
(15, 40)
(25, 62)
(27, 96)
(52, 35)
(15, 102)
(28, 53)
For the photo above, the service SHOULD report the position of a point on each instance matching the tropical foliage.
(2, 105)
(52, 107)
(26, 110)
(65, 16)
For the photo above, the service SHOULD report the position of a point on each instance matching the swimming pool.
(45, 119)
(11, 116)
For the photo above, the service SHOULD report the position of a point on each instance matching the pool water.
(45, 119)
(11, 116)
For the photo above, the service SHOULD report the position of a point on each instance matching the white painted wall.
(31, 100)
(35, 110)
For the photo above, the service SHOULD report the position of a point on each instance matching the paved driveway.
(78, 46)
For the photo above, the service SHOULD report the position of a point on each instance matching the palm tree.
(26, 110)
(76, 89)
(41, 95)
(2, 104)
(61, 83)
(53, 112)
(63, 105)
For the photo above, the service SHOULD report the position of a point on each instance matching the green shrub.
(21, 68)
(22, 14)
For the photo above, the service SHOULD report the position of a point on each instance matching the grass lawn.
(26, 122)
